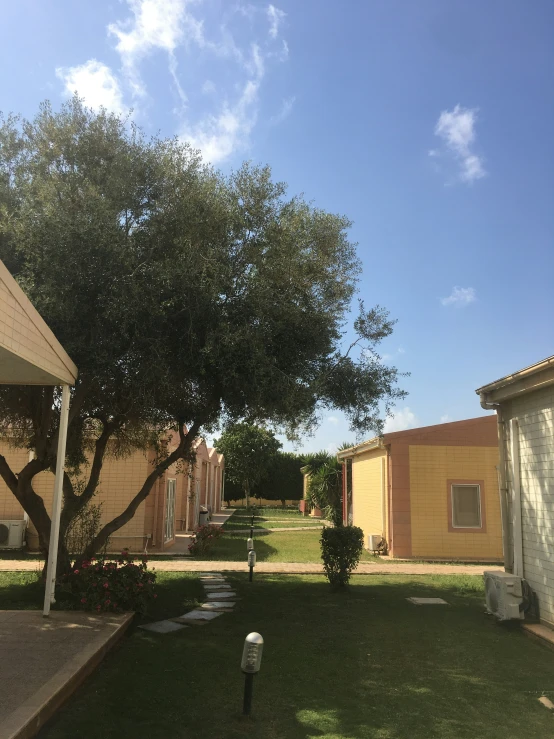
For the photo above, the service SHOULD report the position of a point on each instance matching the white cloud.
(387, 357)
(460, 296)
(286, 109)
(276, 17)
(208, 87)
(445, 419)
(402, 420)
(157, 24)
(457, 130)
(168, 26)
(96, 83)
(333, 419)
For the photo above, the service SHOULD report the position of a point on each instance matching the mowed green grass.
(362, 663)
(240, 521)
(282, 546)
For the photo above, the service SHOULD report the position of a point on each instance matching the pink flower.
(107, 602)
(155, 595)
(83, 600)
(75, 572)
(106, 585)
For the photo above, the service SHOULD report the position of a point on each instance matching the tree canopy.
(249, 452)
(184, 296)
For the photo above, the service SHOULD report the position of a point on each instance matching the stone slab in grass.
(219, 586)
(427, 601)
(222, 595)
(213, 575)
(213, 580)
(162, 627)
(219, 605)
(197, 616)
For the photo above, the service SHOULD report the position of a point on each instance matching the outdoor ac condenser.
(504, 593)
(374, 542)
(11, 534)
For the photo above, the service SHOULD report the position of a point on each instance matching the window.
(466, 506)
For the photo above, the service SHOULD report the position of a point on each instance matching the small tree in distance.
(249, 451)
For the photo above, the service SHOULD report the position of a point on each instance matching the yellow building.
(427, 493)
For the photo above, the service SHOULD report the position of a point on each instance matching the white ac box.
(12, 534)
(504, 595)
(374, 542)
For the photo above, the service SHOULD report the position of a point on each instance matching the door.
(169, 531)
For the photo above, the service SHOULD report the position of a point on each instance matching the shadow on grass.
(361, 663)
(21, 591)
(232, 547)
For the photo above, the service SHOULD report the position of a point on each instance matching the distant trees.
(249, 452)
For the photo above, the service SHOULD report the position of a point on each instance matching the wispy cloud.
(96, 83)
(286, 110)
(155, 25)
(401, 420)
(333, 419)
(456, 128)
(276, 17)
(460, 296)
(170, 27)
(388, 356)
(445, 419)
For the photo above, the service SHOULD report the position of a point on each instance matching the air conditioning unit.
(12, 534)
(504, 594)
(374, 542)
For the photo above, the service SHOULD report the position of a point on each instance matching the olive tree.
(185, 297)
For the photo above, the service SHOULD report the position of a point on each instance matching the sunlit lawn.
(282, 546)
(358, 664)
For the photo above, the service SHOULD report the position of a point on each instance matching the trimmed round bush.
(341, 549)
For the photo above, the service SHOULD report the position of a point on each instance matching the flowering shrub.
(114, 586)
(203, 538)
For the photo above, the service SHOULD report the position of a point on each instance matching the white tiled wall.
(535, 414)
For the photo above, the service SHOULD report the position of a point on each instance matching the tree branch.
(179, 452)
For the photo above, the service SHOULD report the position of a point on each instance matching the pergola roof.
(30, 354)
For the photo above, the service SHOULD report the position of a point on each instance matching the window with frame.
(466, 506)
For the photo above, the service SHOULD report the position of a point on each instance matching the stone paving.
(220, 599)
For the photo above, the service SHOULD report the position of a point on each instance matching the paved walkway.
(44, 660)
(296, 568)
(299, 568)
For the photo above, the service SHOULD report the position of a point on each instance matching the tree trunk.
(247, 494)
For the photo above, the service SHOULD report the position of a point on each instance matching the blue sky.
(428, 123)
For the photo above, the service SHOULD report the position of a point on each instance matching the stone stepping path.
(220, 599)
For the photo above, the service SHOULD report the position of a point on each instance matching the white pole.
(516, 485)
(56, 506)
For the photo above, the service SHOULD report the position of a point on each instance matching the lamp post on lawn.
(251, 563)
(250, 665)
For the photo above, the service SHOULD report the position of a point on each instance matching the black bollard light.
(251, 563)
(250, 665)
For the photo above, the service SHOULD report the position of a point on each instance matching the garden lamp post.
(250, 665)
(250, 543)
(251, 563)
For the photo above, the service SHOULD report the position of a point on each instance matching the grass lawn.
(240, 521)
(357, 664)
(296, 546)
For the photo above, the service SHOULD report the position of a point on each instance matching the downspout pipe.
(507, 545)
(516, 483)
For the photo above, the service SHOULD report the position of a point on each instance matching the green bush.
(109, 586)
(203, 538)
(341, 549)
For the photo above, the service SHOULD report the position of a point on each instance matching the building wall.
(431, 469)
(120, 480)
(368, 479)
(535, 414)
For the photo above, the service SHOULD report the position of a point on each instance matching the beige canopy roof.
(30, 354)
